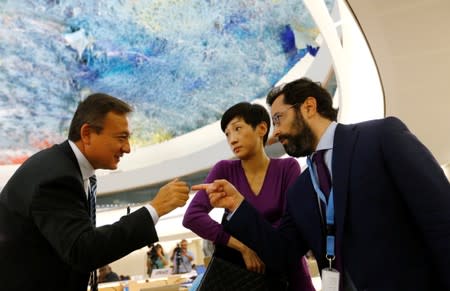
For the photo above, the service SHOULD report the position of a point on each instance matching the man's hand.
(172, 195)
(222, 194)
(252, 261)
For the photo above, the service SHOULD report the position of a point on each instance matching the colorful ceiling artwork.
(179, 63)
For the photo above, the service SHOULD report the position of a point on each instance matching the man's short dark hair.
(93, 111)
(297, 91)
(253, 114)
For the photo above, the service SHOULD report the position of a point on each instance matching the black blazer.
(47, 241)
(392, 212)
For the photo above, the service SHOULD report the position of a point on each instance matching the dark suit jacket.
(47, 241)
(392, 212)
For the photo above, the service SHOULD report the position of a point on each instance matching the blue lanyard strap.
(330, 228)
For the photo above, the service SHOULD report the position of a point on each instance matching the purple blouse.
(270, 202)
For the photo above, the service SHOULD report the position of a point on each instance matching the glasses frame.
(277, 116)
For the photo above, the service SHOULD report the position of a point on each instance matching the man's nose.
(126, 148)
(276, 132)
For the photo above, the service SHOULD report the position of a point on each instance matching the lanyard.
(330, 242)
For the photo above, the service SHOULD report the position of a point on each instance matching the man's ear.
(85, 133)
(309, 107)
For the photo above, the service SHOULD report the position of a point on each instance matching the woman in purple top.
(262, 180)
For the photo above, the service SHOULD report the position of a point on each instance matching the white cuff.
(153, 213)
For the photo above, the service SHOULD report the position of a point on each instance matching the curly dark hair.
(297, 91)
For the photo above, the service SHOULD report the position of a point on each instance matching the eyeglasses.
(277, 116)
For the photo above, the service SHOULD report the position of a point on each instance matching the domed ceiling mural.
(179, 63)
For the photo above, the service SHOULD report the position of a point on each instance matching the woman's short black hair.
(253, 114)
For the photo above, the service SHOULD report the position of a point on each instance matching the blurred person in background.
(106, 274)
(182, 258)
(156, 259)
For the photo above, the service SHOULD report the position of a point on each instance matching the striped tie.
(91, 199)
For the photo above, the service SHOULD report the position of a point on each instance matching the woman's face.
(243, 139)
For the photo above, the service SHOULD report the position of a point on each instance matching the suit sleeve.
(423, 186)
(197, 216)
(60, 212)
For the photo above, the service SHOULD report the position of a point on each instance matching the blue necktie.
(91, 199)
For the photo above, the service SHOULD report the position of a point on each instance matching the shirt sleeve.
(197, 216)
(153, 213)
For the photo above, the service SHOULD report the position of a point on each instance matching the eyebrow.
(123, 133)
(232, 124)
(277, 113)
(237, 121)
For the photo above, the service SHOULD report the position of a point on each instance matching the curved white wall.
(410, 43)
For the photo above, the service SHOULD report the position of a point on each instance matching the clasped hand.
(172, 195)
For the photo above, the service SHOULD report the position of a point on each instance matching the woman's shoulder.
(227, 163)
(286, 166)
(223, 169)
(284, 162)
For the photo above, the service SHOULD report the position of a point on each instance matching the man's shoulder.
(373, 123)
(56, 158)
(302, 179)
(56, 150)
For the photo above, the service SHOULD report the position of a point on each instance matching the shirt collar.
(86, 168)
(327, 139)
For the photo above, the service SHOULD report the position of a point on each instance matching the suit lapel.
(344, 140)
(313, 215)
(308, 216)
(65, 147)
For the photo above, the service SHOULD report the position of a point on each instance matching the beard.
(300, 143)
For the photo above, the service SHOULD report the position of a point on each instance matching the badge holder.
(330, 276)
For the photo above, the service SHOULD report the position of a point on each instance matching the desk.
(172, 283)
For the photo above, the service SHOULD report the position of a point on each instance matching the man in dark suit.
(48, 237)
(390, 218)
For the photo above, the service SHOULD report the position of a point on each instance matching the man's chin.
(290, 152)
(111, 167)
(295, 152)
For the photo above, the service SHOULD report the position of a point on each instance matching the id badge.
(330, 279)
